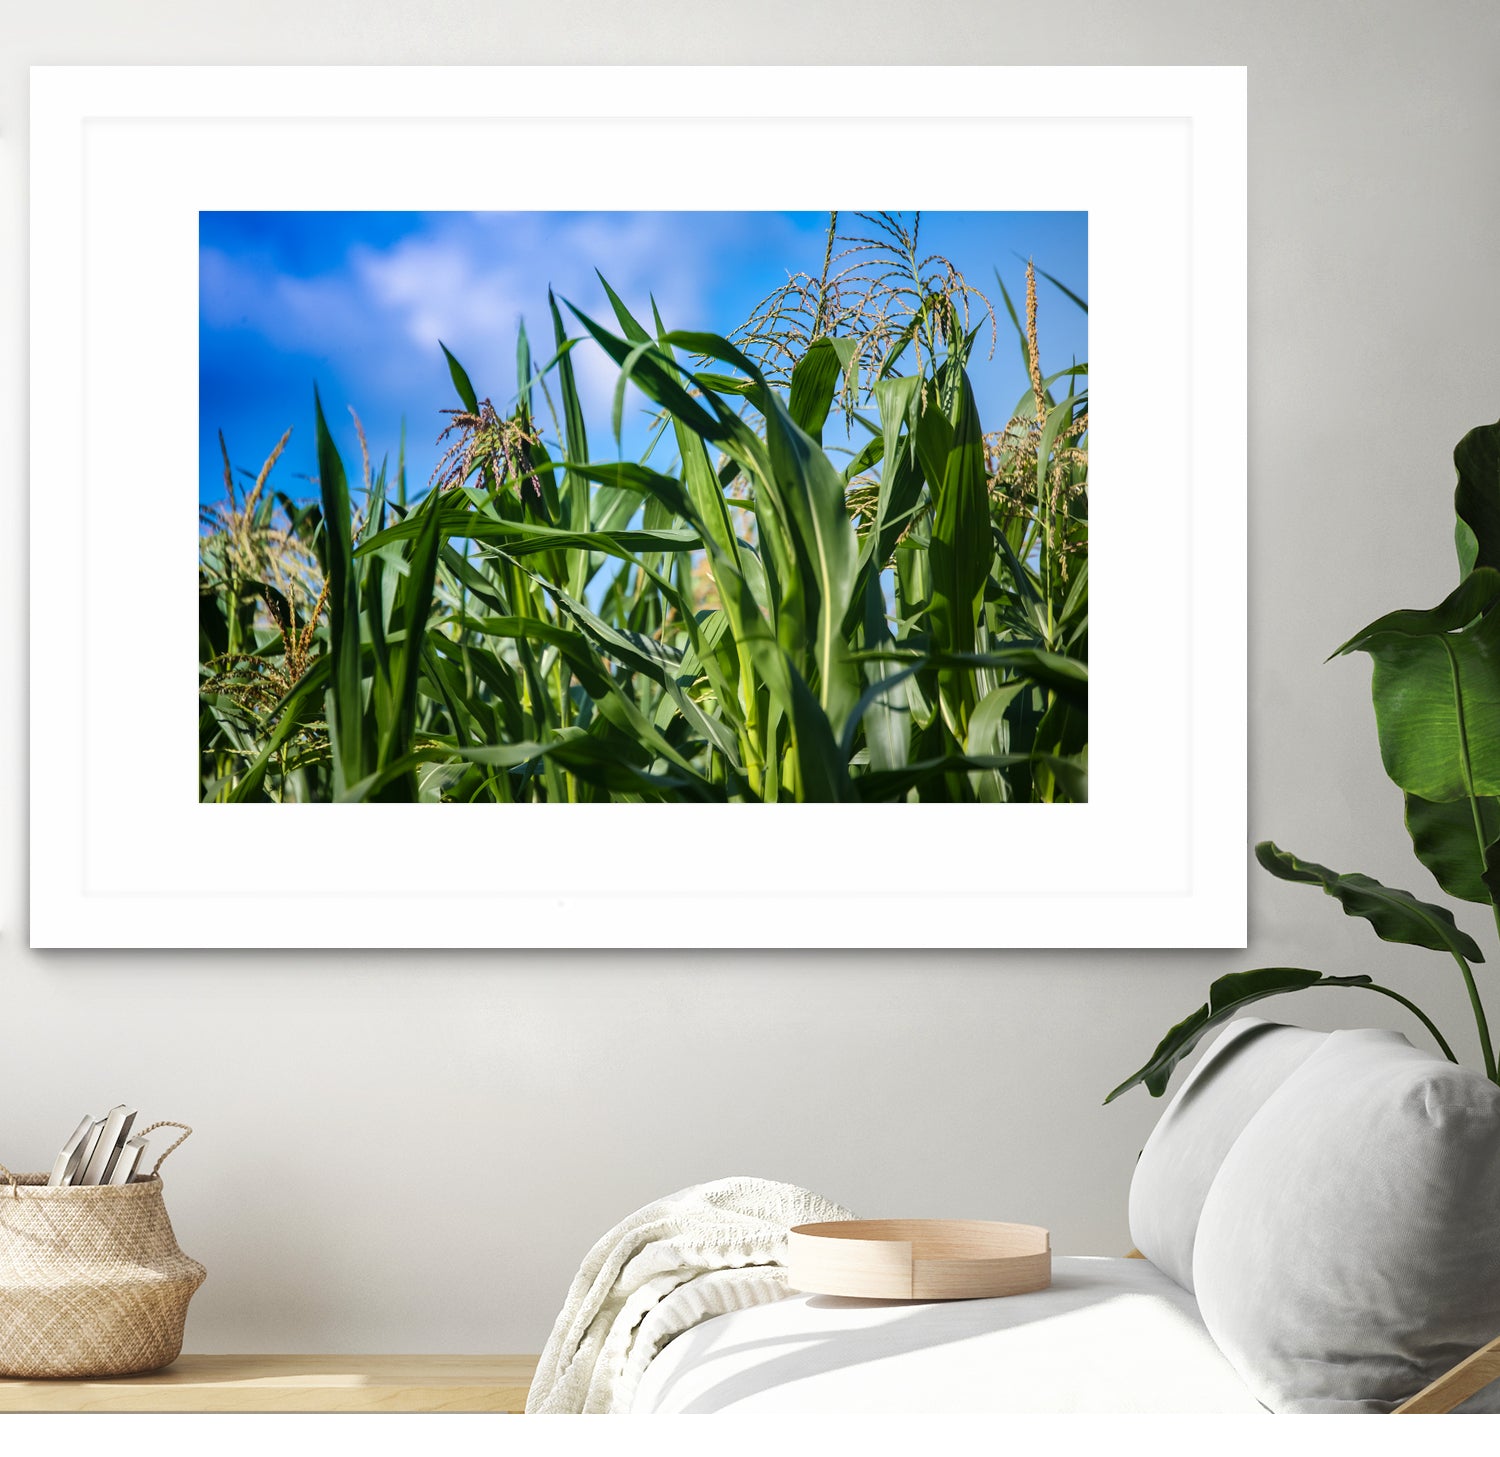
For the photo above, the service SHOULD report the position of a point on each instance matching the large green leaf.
(1396, 915)
(1477, 497)
(1228, 995)
(1448, 842)
(1437, 693)
(1470, 600)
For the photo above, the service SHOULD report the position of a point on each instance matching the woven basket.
(92, 1282)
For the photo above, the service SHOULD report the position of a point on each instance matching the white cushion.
(1242, 1068)
(1110, 1335)
(1349, 1249)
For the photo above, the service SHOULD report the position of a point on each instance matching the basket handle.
(15, 1183)
(187, 1133)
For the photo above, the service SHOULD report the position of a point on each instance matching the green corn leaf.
(822, 770)
(814, 380)
(629, 324)
(1052, 670)
(599, 762)
(640, 480)
(987, 724)
(960, 555)
(461, 383)
(345, 693)
(575, 446)
(712, 346)
(497, 676)
(642, 364)
(893, 753)
(883, 786)
(808, 496)
(523, 538)
(406, 661)
(885, 716)
(901, 477)
(580, 649)
(1061, 287)
(523, 366)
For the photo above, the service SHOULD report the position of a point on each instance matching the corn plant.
(1436, 691)
(743, 614)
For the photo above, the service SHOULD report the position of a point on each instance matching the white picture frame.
(123, 855)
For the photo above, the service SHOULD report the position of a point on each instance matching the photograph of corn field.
(666, 507)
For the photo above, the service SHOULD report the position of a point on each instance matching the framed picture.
(689, 542)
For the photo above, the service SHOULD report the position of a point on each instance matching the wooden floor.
(291, 1384)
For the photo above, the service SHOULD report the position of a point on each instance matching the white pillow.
(1246, 1064)
(1349, 1249)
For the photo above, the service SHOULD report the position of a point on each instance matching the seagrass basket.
(92, 1281)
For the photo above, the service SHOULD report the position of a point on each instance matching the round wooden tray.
(918, 1259)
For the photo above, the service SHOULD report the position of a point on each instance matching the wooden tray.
(919, 1259)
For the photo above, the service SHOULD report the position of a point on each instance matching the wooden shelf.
(293, 1383)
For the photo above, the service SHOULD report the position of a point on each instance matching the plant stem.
(1479, 1019)
(1468, 768)
(1420, 1015)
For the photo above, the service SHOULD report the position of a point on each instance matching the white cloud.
(437, 287)
(467, 279)
(471, 278)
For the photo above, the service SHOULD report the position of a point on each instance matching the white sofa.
(1319, 1220)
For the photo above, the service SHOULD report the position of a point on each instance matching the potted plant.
(1436, 689)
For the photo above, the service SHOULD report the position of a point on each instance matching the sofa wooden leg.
(1471, 1374)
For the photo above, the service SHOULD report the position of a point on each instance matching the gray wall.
(518, 1104)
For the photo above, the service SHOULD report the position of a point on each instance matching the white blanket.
(1109, 1336)
(698, 1253)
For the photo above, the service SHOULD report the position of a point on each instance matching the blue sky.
(358, 301)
